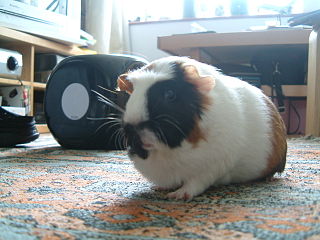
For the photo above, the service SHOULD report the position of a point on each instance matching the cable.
(298, 117)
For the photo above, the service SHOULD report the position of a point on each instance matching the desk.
(239, 47)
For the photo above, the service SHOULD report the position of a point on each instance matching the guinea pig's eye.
(169, 95)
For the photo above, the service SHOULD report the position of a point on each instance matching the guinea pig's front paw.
(180, 194)
(188, 190)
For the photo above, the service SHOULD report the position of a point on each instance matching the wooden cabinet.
(239, 47)
(28, 45)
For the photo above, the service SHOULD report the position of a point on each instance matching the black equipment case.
(74, 114)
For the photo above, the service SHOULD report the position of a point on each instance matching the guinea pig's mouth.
(137, 145)
(138, 150)
(147, 146)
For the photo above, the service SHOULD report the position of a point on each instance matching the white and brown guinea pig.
(189, 127)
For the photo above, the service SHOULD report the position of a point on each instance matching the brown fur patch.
(192, 76)
(124, 84)
(148, 67)
(204, 84)
(277, 157)
(206, 101)
(196, 135)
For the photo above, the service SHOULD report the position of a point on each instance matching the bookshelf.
(29, 45)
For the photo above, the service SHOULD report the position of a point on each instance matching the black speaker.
(74, 106)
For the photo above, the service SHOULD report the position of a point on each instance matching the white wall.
(143, 36)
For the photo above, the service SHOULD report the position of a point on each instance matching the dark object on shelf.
(44, 64)
(10, 64)
(42, 76)
(243, 72)
(74, 114)
(16, 129)
(279, 67)
(310, 19)
(292, 64)
(46, 61)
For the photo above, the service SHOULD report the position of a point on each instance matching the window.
(155, 10)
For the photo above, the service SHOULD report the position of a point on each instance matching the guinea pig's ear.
(124, 84)
(204, 84)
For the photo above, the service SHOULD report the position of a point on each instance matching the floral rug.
(47, 192)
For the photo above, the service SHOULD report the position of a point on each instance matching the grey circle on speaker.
(75, 101)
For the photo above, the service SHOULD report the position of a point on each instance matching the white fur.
(142, 80)
(237, 128)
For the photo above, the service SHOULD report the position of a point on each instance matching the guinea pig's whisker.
(158, 134)
(116, 115)
(111, 138)
(115, 136)
(123, 139)
(161, 135)
(111, 119)
(174, 125)
(111, 104)
(106, 123)
(107, 101)
(167, 117)
(114, 124)
(118, 138)
(96, 119)
(121, 133)
(101, 126)
(172, 121)
(107, 89)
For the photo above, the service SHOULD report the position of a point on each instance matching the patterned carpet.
(47, 192)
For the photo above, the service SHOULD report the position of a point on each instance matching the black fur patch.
(173, 106)
(134, 142)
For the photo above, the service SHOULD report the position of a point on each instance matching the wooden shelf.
(12, 37)
(29, 45)
(175, 43)
(39, 86)
(233, 47)
(288, 90)
(13, 82)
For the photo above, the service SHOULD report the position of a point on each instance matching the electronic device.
(74, 114)
(10, 64)
(57, 20)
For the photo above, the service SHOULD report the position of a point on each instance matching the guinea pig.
(189, 127)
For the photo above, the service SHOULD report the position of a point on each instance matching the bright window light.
(155, 10)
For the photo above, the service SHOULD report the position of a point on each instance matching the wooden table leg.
(313, 92)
